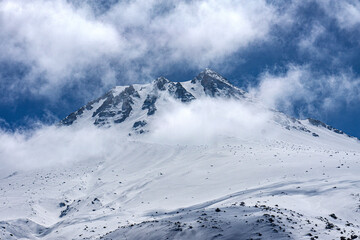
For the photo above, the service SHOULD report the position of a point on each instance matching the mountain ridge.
(122, 97)
(141, 100)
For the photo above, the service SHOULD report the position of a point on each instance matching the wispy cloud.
(4, 124)
(313, 92)
(347, 12)
(53, 146)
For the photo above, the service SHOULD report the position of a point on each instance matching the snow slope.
(257, 174)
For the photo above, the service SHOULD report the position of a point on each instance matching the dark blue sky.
(302, 56)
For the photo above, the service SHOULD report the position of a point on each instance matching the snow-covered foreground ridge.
(191, 160)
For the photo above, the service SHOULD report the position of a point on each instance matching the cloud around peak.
(67, 51)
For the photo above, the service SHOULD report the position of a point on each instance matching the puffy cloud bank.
(204, 121)
(51, 146)
(208, 121)
(59, 41)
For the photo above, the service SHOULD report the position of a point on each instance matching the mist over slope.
(199, 159)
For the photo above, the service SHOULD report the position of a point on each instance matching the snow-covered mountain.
(200, 159)
(135, 106)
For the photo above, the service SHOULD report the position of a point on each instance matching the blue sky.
(301, 57)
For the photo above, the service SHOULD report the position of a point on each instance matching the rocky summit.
(136, 105)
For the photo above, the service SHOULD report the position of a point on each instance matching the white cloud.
(206, 31)
(53, 146)
(60, 41)
(3, 123)
(308, 42)
(300, 86)
(204, 121)
(346, 12)
(55, 39)
(208, 121)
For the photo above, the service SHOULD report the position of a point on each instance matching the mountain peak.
(135, 105)
(209, 71)
(210, 74)
(160, 83)
(216, 85)
(119, 103)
